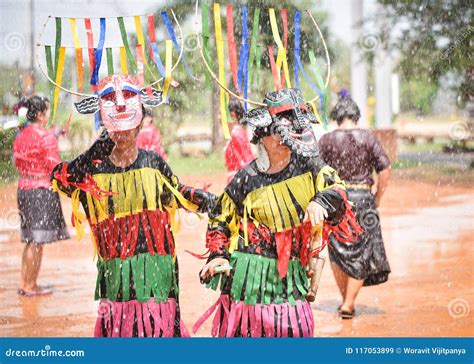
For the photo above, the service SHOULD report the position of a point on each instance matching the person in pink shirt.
(237, 151)
(36, 153)
(149, 137)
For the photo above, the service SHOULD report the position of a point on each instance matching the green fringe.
(152, 276)
(255, 275)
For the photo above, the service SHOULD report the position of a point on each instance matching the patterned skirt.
(365, 258)
(41, 215)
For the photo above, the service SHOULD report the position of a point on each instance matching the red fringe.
(216, 240)
(88, 185)
(347, 231)
(155, 224)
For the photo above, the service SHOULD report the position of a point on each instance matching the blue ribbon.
(98, 59)
(167, 22)
(299, 65)
(157, 59)
(98, 53)
(244, 55)
(297, 47)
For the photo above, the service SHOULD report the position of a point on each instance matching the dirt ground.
(427, 227)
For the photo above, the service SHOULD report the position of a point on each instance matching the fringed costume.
(258, 226)
(131, 213)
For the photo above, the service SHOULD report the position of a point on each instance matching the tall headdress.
(121, 93)
(245, 65)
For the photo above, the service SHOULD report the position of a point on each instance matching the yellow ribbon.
(77, 215)
(123, 61)
(220, 62)
(169, 50)
(281, 58)
(59, 77)
(140, 37)
(77, 46)
(315, 111)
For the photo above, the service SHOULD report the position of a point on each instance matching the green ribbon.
(320, 82)
(49, 65)
(110, 61)
(123, 33)
(205, 38)
(57, 46)
(253, 44)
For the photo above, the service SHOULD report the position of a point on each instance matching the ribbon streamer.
(141, 41)
(253, 45)
(139, 53)
(320, 82)
(110, 61)
(78, 49)
(140, 37)
(59, 78)
(155, 55)
(123, 61)
(276, 76)
(220, 63)
(299, 65)
(297, 48)
(281, 57)
(57, 47)
(123, 34)
(167, 22)
(284, 19)
(49, 65)
(90, 46)
(242, 77)
(232, 47)
(98, 53)
(168, 63)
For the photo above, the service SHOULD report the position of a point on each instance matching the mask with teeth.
(287, 115)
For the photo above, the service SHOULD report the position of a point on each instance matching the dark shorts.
(42, 219)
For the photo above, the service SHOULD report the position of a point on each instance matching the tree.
(434, 39)
(195, 97)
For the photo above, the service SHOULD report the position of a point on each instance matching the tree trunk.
(218, 140)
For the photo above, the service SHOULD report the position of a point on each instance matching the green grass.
(194, 166)
(8, 173)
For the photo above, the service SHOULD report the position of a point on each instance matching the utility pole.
(358, 63)
(29, 83)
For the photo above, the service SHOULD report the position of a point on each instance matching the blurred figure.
(356, 153)
(237, 151)
(149, 137)
(36, 153)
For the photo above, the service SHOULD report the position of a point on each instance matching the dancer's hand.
(316, 213)
(209, 269)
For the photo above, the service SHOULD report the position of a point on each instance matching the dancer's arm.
(75, 171)
(382, 184)
(223, 229)
(203, 199)
(328, 195)
(381, 165)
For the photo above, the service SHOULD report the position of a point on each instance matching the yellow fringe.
(325, 172)
(228, 210)
(129, 189)
(264, 204)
